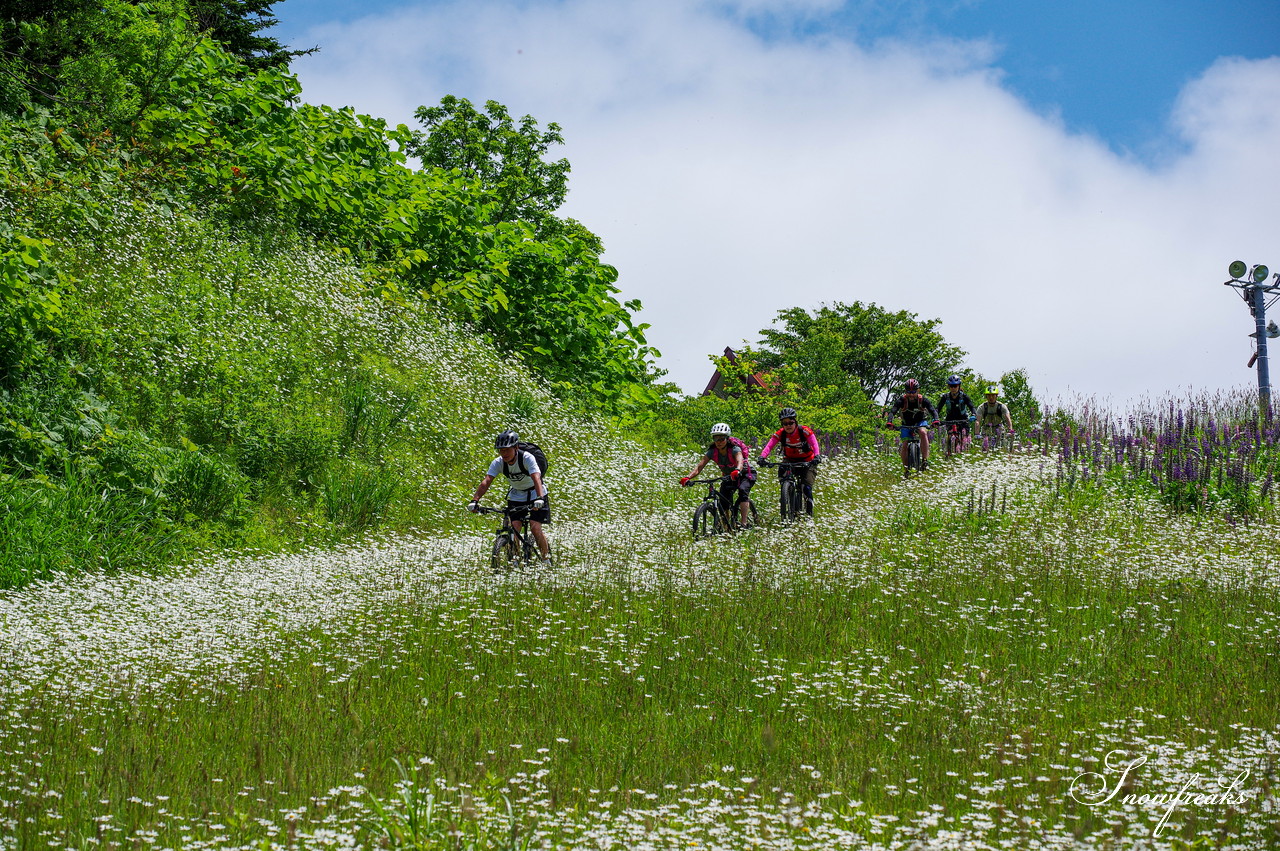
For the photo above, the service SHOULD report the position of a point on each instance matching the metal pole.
(1259, 309)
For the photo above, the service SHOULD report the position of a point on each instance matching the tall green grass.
(51, 530)
(906, 670)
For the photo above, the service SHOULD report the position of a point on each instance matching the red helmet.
(913, 386)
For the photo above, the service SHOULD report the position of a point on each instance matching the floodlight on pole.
(1253, 286)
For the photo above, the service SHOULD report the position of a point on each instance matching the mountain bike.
(914, 463)
(794, 497)
(957, 437)
(511, 548)
(709, 519)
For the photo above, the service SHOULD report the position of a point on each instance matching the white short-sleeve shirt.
(522, 488)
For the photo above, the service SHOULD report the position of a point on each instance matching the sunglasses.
(788, 422)
(719, 438)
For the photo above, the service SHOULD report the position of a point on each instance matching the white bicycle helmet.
(720, 428)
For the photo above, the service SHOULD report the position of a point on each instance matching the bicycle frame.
(957, 437)
(914, 461)
(511, 546)
(709, 518)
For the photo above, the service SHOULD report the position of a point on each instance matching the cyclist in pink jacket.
(799, 446)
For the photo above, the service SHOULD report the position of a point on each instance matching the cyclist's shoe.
(546, 563)
(924, 465)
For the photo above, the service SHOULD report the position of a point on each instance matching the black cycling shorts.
(542, 515)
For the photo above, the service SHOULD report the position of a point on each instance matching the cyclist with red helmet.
(799, 445)
(917, 413)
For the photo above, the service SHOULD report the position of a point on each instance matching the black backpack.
(538, 455)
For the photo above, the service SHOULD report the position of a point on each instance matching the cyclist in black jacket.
(956, 408)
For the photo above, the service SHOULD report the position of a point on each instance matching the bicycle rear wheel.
(706, 521)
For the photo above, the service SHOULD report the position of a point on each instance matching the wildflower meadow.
(1019, 649)
(251, 366)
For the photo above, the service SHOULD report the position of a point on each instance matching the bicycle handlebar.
(767, 463)
(514, 513)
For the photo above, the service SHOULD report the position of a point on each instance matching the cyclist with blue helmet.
(955, 408)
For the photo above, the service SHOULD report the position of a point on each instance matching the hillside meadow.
(1015, 650)
(251, 366)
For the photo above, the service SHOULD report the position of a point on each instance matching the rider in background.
(730, 455)
(955, 406)
(991, 412)
(799, 445)
(526, 489)
(917, 413)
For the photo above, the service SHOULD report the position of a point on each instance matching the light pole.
(1254, 289)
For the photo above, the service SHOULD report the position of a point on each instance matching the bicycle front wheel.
(706, 520)
(788, 500)
(506, 553)
(913, 458)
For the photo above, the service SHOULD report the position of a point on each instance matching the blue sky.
(1112, 68)
(1062, 184)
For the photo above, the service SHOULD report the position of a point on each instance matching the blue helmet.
(953, 381)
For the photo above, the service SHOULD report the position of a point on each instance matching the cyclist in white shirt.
(525, 487)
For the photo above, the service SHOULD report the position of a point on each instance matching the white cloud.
(731, 177)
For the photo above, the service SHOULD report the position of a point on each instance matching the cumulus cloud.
(732, 175)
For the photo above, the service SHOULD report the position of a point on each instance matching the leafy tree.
(101, 65)
(490, 149)
(533, 280)
(1018, 395)
(857, 353)
(104, 63)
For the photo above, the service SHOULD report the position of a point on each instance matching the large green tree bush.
(857, 350)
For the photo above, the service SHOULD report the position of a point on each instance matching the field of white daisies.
(991, 655)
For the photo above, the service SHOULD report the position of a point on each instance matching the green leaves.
(30, 303)
(474, 229)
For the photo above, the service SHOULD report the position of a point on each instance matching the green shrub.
(358, 496)
(205, 487)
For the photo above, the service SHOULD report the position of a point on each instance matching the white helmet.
(720, 428)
